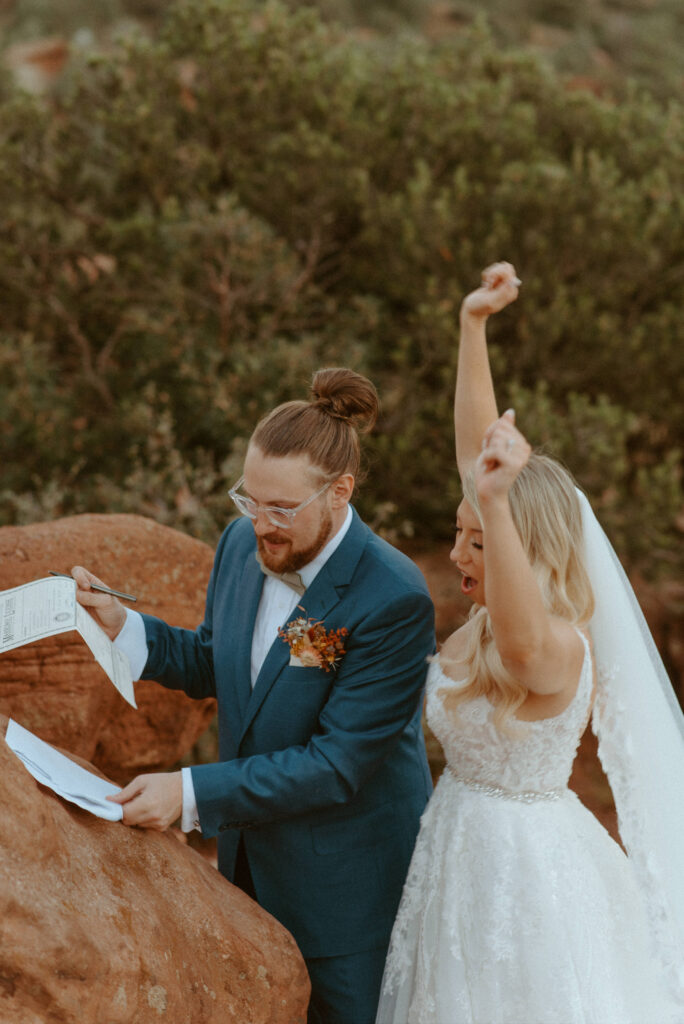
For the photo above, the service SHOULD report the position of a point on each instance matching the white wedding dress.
(519, 908)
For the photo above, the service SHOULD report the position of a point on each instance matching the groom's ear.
(342, 490)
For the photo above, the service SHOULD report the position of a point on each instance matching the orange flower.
(312, 645)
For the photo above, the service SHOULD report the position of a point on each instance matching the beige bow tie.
(292, 579)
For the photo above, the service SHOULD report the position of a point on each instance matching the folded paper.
(66, 778)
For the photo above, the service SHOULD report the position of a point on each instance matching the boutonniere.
(311, 645)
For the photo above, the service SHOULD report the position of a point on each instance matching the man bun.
(346, 395)
(342, 405)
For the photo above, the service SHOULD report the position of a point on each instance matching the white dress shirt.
(278, 601)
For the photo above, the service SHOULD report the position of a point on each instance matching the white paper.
(36, 610)
(114, 662)
(62, 775)
(47, 607)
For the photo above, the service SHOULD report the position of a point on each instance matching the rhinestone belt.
(526, 796)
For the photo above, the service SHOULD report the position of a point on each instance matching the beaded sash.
(526, 796)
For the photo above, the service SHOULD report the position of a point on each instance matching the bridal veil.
(640, 730)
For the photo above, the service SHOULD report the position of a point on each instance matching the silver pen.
(96, 586)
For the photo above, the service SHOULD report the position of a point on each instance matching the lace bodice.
(532, 757)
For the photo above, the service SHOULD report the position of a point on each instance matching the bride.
(519, 908)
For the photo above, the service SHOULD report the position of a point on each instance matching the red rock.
(105, 924)
(37, 65)
(444, 583)
(54, 687)
(663, 606)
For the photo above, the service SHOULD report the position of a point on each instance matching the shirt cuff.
(190, 814)
(132, 640)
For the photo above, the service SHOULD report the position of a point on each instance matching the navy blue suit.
(323, 775)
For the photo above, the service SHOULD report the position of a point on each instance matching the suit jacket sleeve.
(182, 659)
(376, 692)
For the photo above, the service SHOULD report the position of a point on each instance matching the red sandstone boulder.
(105, 924)
(444, 583)
(54, 687)
(663, 606)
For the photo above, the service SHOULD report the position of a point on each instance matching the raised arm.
(539, 649)
(474, 401)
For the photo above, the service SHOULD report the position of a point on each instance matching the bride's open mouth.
(468, 584)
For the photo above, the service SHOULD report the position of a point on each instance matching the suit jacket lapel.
(317, 601)
(251, 585)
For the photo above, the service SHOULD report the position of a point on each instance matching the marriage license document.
(46, 607)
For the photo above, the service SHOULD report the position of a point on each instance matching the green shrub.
(197, 222)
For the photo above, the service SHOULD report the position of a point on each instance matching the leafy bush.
(199, 221)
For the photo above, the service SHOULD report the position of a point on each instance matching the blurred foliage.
(379, 15)
(598, 44)
(602, 45)
(79, 20)
(196, 221)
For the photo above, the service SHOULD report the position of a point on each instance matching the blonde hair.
(343, 404)
(547, 515)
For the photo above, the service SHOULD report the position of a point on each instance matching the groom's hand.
(107, 611)
(152, 801)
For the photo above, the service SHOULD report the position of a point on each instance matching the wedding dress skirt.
(518, 908)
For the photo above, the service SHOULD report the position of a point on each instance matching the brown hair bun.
(346, 395)
(326, 428)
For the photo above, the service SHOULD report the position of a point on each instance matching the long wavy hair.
(547, 515)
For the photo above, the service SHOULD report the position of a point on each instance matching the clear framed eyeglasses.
(282, 517)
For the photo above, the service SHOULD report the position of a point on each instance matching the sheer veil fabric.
(640, 730)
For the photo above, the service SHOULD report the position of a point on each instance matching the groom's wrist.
(189, 813)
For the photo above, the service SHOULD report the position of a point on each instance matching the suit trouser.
(344, 989)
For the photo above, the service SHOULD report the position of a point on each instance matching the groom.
(322, 775)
